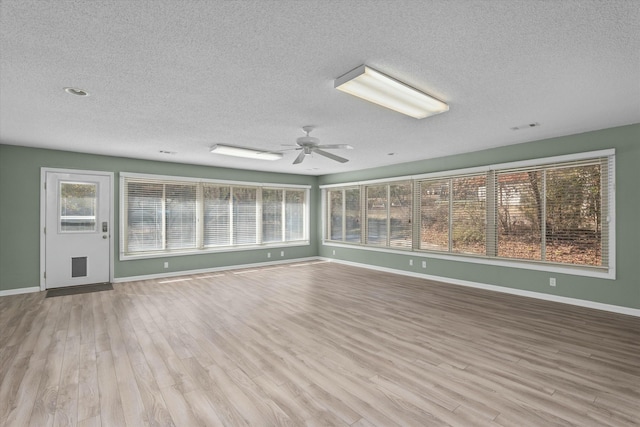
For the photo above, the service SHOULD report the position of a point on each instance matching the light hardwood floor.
(313, 344)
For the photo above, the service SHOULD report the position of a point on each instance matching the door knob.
(104, 236)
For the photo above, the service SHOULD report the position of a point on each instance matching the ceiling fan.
(309, 144)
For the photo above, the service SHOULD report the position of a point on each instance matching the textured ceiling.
(181, 75)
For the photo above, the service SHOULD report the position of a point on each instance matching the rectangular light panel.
(374, 86)
(248, 153)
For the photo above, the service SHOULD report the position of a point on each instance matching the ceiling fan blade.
(330, 146)
(331, 156)
(300, 158)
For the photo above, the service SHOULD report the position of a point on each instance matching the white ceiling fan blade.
(331, 156)
(300, 158)
(330, 146)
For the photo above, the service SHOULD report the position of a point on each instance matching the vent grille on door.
(79, 267)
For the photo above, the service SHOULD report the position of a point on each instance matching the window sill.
(212, 250)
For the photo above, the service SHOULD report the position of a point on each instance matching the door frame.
(43, 217)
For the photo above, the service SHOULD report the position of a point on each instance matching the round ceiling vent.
(75, 91)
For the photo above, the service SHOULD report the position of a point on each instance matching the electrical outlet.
(410, 262)
(281, 253)
(268, 254)
(552, 281)
(166, 265)
(334, 251)
(424, 264)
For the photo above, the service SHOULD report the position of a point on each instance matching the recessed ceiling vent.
(75, 91)
(527, 126)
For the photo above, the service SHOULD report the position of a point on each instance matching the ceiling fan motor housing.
(307, 140)
(308, 144)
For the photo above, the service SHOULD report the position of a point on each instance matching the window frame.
(601, 271)
(200, 183)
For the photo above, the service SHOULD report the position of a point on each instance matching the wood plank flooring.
(315, 344)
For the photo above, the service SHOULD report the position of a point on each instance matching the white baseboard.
(555, 298)
(19, 291)
(211, 270)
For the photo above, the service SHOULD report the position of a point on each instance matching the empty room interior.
(310, 213)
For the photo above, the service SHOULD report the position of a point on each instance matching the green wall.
(20, 213)
(20, 216)
(624, 291)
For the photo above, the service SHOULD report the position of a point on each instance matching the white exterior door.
(77, 230)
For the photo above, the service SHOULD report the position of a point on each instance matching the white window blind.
(468, 214)
(180, 212)
(244, 215)
(217, 215)
(377, 215)
(556, 212)
(400, 213)
(272, 215)
(145, 216)
(345, 215)
(164, 215)
(336, 212)
(519, 219)
(353, 215)
(295, 201)
(433, 214)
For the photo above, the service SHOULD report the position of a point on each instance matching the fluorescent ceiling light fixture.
(248, 153)
(374, 86)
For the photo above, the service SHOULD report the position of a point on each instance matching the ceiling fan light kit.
(229, 150)
(374, 86)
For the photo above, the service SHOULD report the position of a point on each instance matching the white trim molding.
(173, 178)
(19, 291)
(43, 212)
(537, 295)
(213, 269)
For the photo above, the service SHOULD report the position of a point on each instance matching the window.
(272, 215)
(344, 215)
(400, 201)
(294, 214)
(377, 215)
(434, 214)
(180, 213)
(554, 211)
(162, 215)
(77, 207)
(352, 215)
(336, 210)
(452, 215)
(519, 209)
(217, 215)
(145, 216)
(282, 215)
(387, 212)
(245, 215)
(468, 214)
